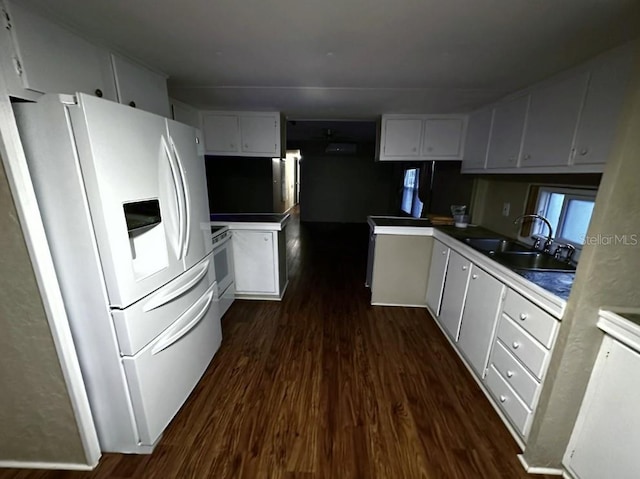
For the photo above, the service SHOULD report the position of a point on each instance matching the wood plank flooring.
(323, 385)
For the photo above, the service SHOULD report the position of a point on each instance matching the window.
(411, 204)
(569, 212)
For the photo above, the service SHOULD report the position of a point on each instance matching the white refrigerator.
(123, 198)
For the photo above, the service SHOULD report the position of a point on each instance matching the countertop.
(399, 225)
(623, 324)
(251, 221)
(557, 283)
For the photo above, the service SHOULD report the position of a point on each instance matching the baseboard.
(46, 465)
(539, 470)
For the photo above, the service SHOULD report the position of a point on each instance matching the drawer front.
(141, 322)
(163, 374)
(508, 400)
(532, 354)
(541, 325)
(515, 374)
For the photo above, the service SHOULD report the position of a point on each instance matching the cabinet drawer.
(532, 354)
(164, 373)
(514, 373)
(508, 400)
(530, 317)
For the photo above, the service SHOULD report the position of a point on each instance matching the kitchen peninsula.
(259, 253)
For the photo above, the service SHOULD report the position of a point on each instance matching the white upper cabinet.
(140, 87)
(401, 137)
(48, 58)
(422, 137)
(443, 138)
(602, 107)
(551, 122)
(506, 133)
(242, 133)
(185, 113)
(565, 124)
(477, 142)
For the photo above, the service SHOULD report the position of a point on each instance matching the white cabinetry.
(453, 296)
(422, 137)
(48, 58)
(437, 272)
(551, 123)
(600, 115)
(565, 124)
(606, 438)
(253, 256)
(523, 342)
(477, 142)
(242, 133)
(140, 87)
(506, 133)
(260, 263)
(481, 309)
(401, 137)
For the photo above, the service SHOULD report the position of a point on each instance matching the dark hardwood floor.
(323, 385)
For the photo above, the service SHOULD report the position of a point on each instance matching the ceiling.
(351, 58)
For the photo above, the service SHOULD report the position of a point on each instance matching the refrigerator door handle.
(175, 173)
(192, 317)
(183, 284)
(187, 205)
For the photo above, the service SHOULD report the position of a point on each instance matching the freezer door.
(137, 325)
(134, 193)
(164, 373)
(185, 145)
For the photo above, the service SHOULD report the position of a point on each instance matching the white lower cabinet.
(260, 264)
(505, 339)
(437, 272)
(453, 296)
(606, 438)
(519, 358)
(481, 309)
(253, 257)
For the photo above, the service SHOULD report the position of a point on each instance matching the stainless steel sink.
(532, 261)
(496, 245)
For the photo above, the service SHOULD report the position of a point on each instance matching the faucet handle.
(536, 242)
(570, 250)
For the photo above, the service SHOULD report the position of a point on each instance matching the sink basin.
(532, 261)
(496, 245)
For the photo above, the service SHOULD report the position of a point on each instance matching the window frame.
(539, 229)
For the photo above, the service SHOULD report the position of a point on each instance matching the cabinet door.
(481, 309)
(437, 271)
(442, 138)
(221, 133)
(600, 115)
(551, 122)
(139, 87)
(455, 290)
(477, 141)
(260, 135)
(253, 257)
(54, 60)
(506, 133)
(401, 137)
(606, 438)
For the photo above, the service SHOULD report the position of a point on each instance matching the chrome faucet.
(549, 240)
